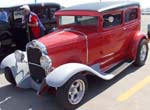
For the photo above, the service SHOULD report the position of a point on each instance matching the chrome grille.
(37, 72)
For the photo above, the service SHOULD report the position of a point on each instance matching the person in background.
(3, 15)
(36, 28)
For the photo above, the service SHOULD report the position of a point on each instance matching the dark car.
(5, 33)
(13, 31)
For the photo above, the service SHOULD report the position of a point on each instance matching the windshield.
(3, 16)
(18, 14)
(78, 20)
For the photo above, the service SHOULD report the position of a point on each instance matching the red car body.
(105, 46)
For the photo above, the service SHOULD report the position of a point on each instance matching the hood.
(61, 37)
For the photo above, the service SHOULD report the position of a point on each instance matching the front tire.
(9, 76)
(142, 53)
(72, 94)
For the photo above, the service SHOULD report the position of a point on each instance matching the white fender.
(10, 62)
(19, 70)
(62, 74)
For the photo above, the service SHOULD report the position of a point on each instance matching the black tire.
(148, 34)
(9, 76)
(62, 94)
(141, 61)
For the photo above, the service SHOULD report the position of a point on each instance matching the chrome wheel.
(73, 93)
(76, 92)
(143, 53)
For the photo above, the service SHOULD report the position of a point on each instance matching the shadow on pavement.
(97, 86)
(12, 98)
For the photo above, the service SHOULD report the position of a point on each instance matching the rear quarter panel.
(134, 44)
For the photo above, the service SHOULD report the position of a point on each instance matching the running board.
(118, 68)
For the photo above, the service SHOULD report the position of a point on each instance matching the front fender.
(62, 74)
(9, 61)
(135, 43)
(19, 70)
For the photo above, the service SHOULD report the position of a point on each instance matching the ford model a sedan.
(100, 39)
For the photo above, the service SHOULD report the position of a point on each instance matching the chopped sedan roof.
(103, 6)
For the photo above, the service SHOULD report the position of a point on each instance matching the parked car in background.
(145, 11)
(13, 31)
(4, 32)
(148, 31)
(100, 39)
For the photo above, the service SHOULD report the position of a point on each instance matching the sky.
(3, 3)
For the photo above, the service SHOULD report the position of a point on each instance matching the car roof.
(44, 4)
(51, 4)
(103, 6)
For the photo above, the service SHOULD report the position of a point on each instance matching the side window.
(131, 14)
(65, 20)
(87, 20)
(111, 20)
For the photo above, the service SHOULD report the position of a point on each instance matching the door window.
(131, 15)
(111, 20)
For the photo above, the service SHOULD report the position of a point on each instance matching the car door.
(132, 24)
(113, 38)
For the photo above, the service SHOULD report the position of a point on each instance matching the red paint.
(105, 46)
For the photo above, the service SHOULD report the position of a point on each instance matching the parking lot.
(128, 91)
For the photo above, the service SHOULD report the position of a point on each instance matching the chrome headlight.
(45, 62)
(19, 56)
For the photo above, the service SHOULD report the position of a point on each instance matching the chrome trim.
(32, 63)
(143, 53)
(37, 44)
(76, 92)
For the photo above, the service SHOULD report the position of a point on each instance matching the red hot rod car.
(100, 39)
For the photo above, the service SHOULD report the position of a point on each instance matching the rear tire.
(72, 94)
(141, 53)
(9, 76)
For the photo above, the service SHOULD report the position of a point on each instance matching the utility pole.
(35, 1)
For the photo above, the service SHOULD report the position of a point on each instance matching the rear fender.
(62, 74)
(135, 43)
